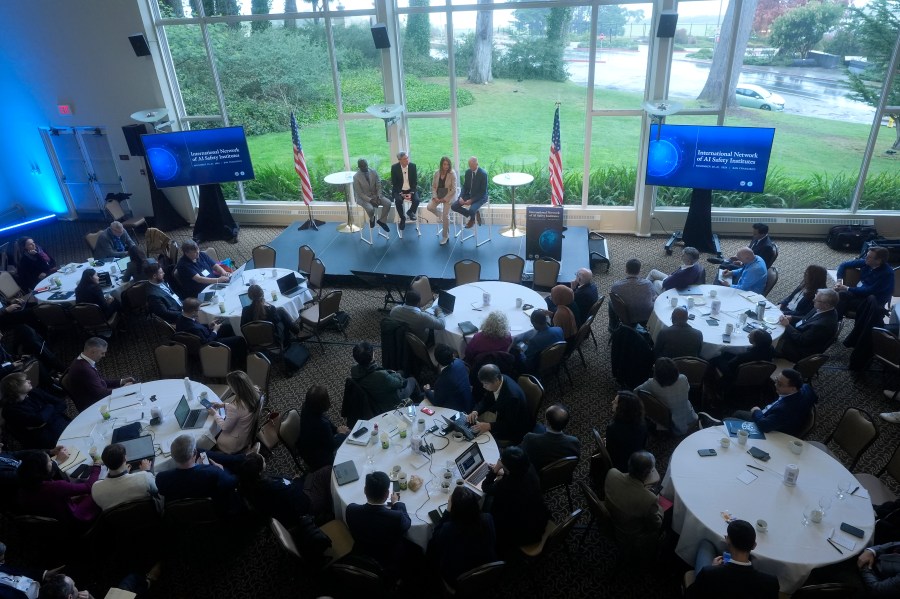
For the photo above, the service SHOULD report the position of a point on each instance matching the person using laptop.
(88, 291)
(161, 300)
(452, 388)
(386, 388)
(196, 270)
(513, 497)
(137, 265)
(120, 484)
(421, 324)
(215, 331)
(260, 309)
(379, 530)
(196, 477)
(506, 400)
(83, 381)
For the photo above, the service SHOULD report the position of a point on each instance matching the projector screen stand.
(677, 238)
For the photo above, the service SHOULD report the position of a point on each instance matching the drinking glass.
(807, 511)
(825, 503)
(843, 489)
(370, 454)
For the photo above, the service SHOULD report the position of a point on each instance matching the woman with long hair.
(627, 432)
(464, 538)
(493, 336)
(260, 309)
(137, 265)
(34, 263)
(563, 298)
(88, 291)
(673, 389)
(443, 193)
(240, 413)
(68, 501)
(800, 302)
(319, 437)
(34, 417)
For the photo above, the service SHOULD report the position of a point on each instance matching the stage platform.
(414, 255)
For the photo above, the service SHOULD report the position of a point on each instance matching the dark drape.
(698, 226)
(214, 220)
(165, 218)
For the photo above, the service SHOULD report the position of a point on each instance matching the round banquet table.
(469, 307)
(429, 496)
(704, 487)
(89, 429)
(734, 302)
(264, 278)
(70, 276)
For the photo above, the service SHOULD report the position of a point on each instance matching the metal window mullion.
(451, 64)
(589, 106)
(336, 81)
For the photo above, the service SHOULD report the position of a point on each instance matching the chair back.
(558, 473)
(511, 267)
(171, 360)
(551, 357)
(192, 342)
(263, 257)
(694, 369)
(422, 285)
(885, 348)
(259, 369)
(8, 286)
(92, 320)
(163, 328)
(173, 251)
(316, 276)
(330, 305)
(595, 308)
(574, 344)
(53, 316)
(655, 410)
(810, 365)
(467, 271)
(855, 433)
(4, 255)
(546, 273)
(559, 535)
(32, 372)
(475, 582)
(896, 292)
(91, 240)
(284, 538)
(620, 308)
(774, 253)
(115, 209)
(289, 431)
(188, 515)
(771, 280)
(213, 253)
(835, 590)
(419, 350)
(260, 334)
(893, 465)
(598, 511)
(534, 393)
(136, 296)
(809, 425)
(139, 517)
(306, 256)
(753, 374)
(215, 361)
(355, 581)
(601, 464)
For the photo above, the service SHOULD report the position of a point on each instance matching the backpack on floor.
(850, 237)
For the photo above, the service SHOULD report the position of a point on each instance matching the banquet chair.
(599, 514)
(263, 256)
(43, 541)
(319, 316)
(423, 286)
(879, 493)
(656, 411)
(601, 464)
(215, 364)
(289, 436)
(91, 240)
(546, 275)
(261, 335)
(466, 271)
(771, 280)
(8, 286)
(304, 262)
(886, 349)
(555, 535)
(163, 329)
(286, 540)
(213, 253)
(171, 360)
(185, 520)
(316, 278)
(833, 590)
(53, 317)
(477, 582)
(534, 393)
(135, 298)
(423, 356)
(620, 310)
(259, 369)
(192, 342)
(575, 343)
(141, 518)
(592, 313)
(809, 366)
(91, 320)
(359, 579)
(752, 384)
(559, 474)
(694, 369)
(511, 267)
(855, 432)
(115, 210)
(551, 360)
(810, 423)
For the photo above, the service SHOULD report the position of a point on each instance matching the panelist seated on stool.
(367, 190)
(404, 182)
(474, 193)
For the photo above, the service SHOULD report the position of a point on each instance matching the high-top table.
(69, 276)
(344, 178)
(513, 180)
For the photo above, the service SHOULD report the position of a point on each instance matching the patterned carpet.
(589, 569)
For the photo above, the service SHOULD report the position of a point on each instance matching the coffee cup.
(690, 303)
(742, 437)
(729, 328)
(797, 446)
(486, 298)
(518, 303)
(395, 472)
(155, 412)
(274, 273)
(457, 436)
(713, 293)
(274, 296)
(816, 515)
(715, 307)
(460, 482)
(420, 425)
(447, 475)
(403, 482)
(673, 302)
(725, 442)
(762, 525)
(445, 486)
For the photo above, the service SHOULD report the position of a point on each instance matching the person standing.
(474, 193)
(367, 190)
(443, 193)
(404, 183)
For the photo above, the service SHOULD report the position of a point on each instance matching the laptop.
(733, 425)
(123, 263)
(693, 290)
(139, 449)
(459, 425)
(105, 279)
(188, 418)
(289, 286)
(237, 275)
(245, 300)
(345, 472)
(446, 301)
(472, 466)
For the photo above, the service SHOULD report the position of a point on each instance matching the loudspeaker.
(139, 44)
(133, 138)
(667, 23)
(380, 36)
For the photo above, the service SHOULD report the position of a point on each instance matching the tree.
(877, 28)
(716, 86)
(533, 20)
(480, 67)
(260, 7)
(171, 8)
(289, 7)
(799, 30)
(418, 32)
(769, 10)
(611, 20)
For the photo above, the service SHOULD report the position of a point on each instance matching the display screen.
(198, 157)
(718, 158)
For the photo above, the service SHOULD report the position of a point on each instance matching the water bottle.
(760, 309)
(188, 392)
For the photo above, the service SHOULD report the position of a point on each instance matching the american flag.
(556, 182)
(300, 163)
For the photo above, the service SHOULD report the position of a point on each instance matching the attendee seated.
(545, 448)
(726, 364)
(137, 265)
(715, 577)
(563, 299)
(637, 292)
(88, 291)
(762, 244)
(113, 242)
(790, 412)
(239, 424)
(196, 270)
(672, 389)
(19, 582)
(420, 323)
(14, 312)
(34, 263)
(750, 274)
(60, 586)
(35, 418)
(67, 501)
(812, 332)
(627, 432)
(319, 437)
(83, 381)
(280, 497)
(586, 294)
(506, 400)
(527, 346)
(879, 567)
(493, 336)
(635, 510)
(464, 538)
(386, 388)
(161, 300)
(367, 191)
(451, 388)
(379, 531)
(260, 309)
(405, 187)
(513, 497)
(876, 278)
(680, 339)
(195, 478)
(121, 485)
(800, 301)
(22, 344)
(215, 331)
(474, 193)
(690, 273)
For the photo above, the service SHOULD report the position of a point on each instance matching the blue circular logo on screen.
(550, 242)
(163, 163)
(662, 158)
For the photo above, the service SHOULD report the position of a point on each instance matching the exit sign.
(64, 109)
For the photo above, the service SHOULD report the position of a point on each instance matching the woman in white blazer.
(443, 193)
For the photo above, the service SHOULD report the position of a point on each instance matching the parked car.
(754, 96)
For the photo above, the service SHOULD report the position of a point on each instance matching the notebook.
(345, 472)
(734, 426)
(467, 328)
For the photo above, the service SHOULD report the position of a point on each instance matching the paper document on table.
(363, 439)
(418, 460)
(74, 460)
(747, 477)
(844, 542)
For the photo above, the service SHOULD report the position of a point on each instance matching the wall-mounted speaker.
(139, 44)
(133, 138)
(668, 21)
(380, 36)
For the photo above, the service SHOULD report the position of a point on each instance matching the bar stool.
(368, 226)
(405, 210)
(462, 231)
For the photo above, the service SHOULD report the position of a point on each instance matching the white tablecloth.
(430, 495)
(71, 279)
(703, 488)
(734, 303)
(88, 428)
(469, 307)
(264, 278)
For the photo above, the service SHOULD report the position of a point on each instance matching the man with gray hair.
(113, 242)
(196, 476)
(509, 418)
(474, 193)
(83, 381)
(367, 191)
(814, 331)
(195, 270)
(586, 294)
(634, 508)
(690, 273)
(405, 186)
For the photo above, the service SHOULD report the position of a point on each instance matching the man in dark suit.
(161, 300)
(379, 531)
(404, 186)
(790, 412)
(217, 331)
(735, 578)
(813, 333)
(506, 399)
(539, 338)
(680, 339)
(451, 389)
(545, 448)
(879, 567)
(83, 381)
(474, 193)
(634, 508)
(762, 245)
(193, 479)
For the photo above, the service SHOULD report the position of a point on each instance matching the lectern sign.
(543, 232)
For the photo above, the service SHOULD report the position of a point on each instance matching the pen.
(853, 492)
(836, 548)
(755, 468)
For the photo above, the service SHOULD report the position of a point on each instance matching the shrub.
(705, 54)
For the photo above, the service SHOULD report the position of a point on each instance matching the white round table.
(69, 277)
(429, 496)
(344, 178)
(265, 279)
(734, 303)
(89, 429)
(469, 306)
(704, 487)
(513, 180)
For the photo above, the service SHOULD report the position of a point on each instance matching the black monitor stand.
(698, 226)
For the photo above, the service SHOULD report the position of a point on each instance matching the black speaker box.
(133, 138)
(139, 44)
(668, 21)
(380, 36)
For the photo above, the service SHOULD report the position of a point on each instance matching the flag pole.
(310, 223)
